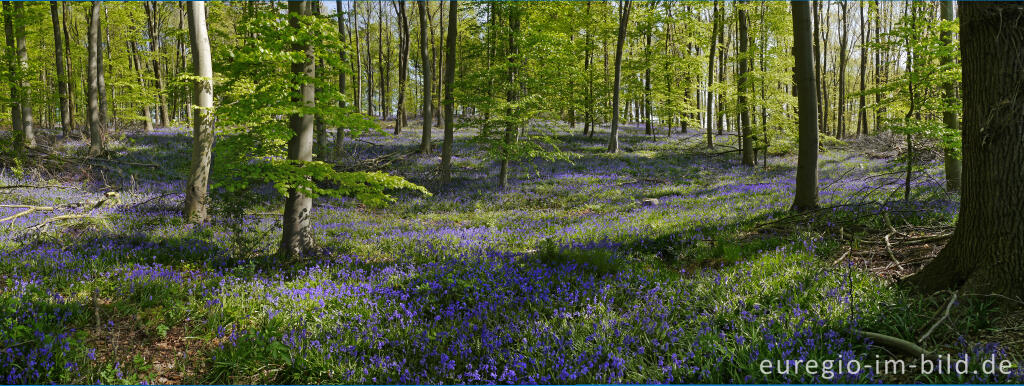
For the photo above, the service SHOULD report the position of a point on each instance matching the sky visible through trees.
(511, 192)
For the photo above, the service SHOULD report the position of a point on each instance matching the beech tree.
(985, 254)
(202, 121)
(425, 63)
(97, 134)
(613, 139)
(445, 167)
(806, 196)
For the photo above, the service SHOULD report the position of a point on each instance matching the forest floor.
(570, 275)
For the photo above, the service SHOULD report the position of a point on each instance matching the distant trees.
(986, 252)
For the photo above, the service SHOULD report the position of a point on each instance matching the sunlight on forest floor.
(568, 276)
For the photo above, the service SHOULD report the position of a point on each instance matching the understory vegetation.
(661, 263)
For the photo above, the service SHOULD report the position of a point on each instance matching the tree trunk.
(146, 112)
(743, 85)
(13, 81)
(339, 134)
(154, 47)
(449, 101)
(806, 196)
(710, 116)
(425, 64)
(202, 115)
(862, 113)
(69, 73)
(511, 93)
(403, 64)
(817, 63)
(841, 101)
(648, 130)
(295, 237)
(588, 60)
(28, 135)
(986, 252)
(613, 139)
(62, 79)
(96, 133)
(951, 158)
(368, 63)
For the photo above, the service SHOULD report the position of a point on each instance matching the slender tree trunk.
(613, 139)
(862, 113)
(449, 101)
(952, 161)
(28, 135)
(62, 79)
(356, 63)
(403, 64)
(154, 47)
(13, 80)
(202, 115)
(295, 235)
(146, 112)
(710, 116)
(426, 62)
(69, 73)
(806, 197)
(743, 86)
(843, 41)
(817, 63)
(339, 134)
(648, 129)
(511, 93)
(96, 133)
(588, 60)
(986, 252)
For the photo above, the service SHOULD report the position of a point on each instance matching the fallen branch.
(945, 315)
(30, 209)
(888, 248)
(909, 348)
(37, 187)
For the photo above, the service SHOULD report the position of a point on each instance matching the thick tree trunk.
(28, 135)
(154, 47)
(613, 139)
(295, 235)
(710, 116)
(743, 85)
(425, 64)
(449, 101)
(62, 78)
(202, 115)
(986, 252)
(806, 196)
(96, 133)
(951, 158)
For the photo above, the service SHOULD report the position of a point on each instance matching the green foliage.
(259, 92)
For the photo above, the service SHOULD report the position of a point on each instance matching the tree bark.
(841, 101)
(806, 196)
(985, 255)
(70, 70)
(952, 162)
(743, 86)
(295, 235)
(202, 115)
(862, 114)
(449, 101)
(425, 64)
(96, 133)
(613, 139)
